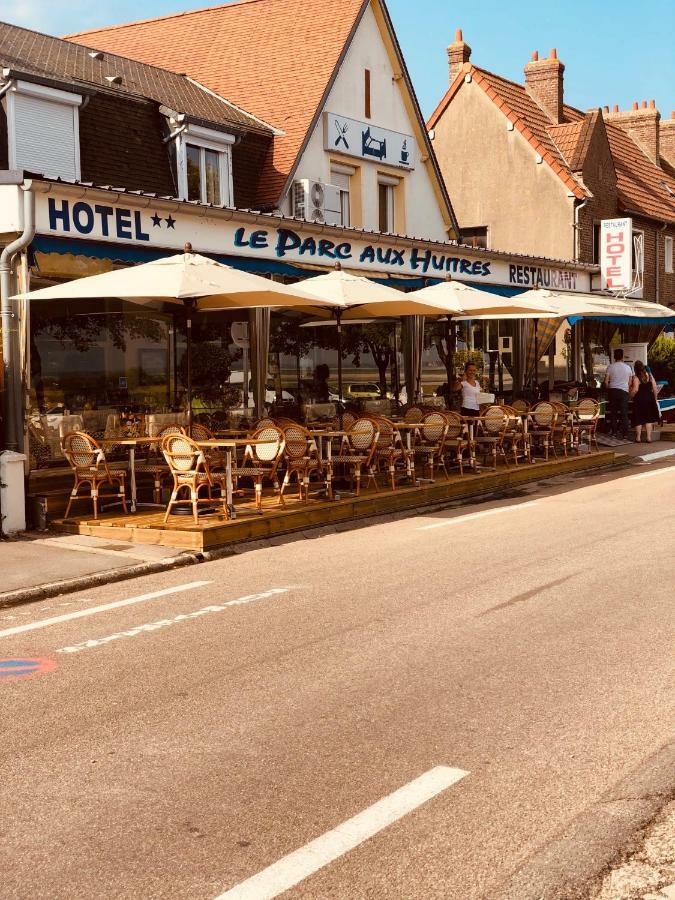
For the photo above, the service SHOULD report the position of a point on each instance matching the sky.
(615, 51)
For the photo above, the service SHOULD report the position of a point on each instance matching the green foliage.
(662, 360)
(211, 367)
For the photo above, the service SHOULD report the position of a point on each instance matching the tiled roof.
(275, 58)
(642, 185)
(43, 56)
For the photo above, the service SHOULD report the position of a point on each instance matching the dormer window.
(43, 130)
(205, 166)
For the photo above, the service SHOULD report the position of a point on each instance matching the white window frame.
(344, 192)
(391, 184)
(668, 254)
(206, 139)
(53, 95)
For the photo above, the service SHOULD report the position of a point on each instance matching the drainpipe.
(11, 383)
(576, 330)
(657, 285)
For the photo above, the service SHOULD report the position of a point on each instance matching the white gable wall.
(423, 217)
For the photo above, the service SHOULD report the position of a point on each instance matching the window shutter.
(45, 137)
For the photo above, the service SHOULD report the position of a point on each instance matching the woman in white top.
(470, 391)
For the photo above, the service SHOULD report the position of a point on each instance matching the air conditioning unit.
(317, 202)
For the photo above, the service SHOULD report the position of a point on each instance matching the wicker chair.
(262, 461)
(490, 437)
(431, 444)
(456, 441)
(515, 440)
(585, 422)
(301, 458)
(522, 407)
(87, 460)
(542, 418)
(358, 452)
(190, 472)
(153, 465)
(563, 427)
(413, 414)
(390, 450)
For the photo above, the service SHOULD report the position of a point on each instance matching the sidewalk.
(41, 565)
(649, 873)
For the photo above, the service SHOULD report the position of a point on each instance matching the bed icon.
(371, 146)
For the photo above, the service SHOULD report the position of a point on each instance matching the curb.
(190, 558)
(576, 859)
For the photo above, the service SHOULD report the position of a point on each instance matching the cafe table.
(229, 445)
(328, 436)
(131, 443)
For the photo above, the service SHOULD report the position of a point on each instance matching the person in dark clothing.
(643, 390)
(617, 381)
(321, 390)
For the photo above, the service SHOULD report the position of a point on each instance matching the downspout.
(576, 331)
(657, 284)
(11, 384)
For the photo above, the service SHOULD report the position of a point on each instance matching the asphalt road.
(526, 642)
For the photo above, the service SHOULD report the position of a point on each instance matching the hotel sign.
(366, 141)
(134, 222)
(616, 254)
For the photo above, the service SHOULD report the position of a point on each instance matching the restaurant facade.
(149, 160)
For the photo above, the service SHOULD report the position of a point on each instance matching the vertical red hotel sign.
(616, 254)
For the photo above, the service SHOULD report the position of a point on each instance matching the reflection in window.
(203, 174)
(194, 175)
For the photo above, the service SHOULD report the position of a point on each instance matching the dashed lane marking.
(458, 520)
(165, 623)
(294, 868)
(93, 610)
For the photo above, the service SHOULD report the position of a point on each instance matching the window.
(340, 176)
(386, 200)
(43, 129)
(204, 166)
(668, 254)
(366, 93)
(475, 237)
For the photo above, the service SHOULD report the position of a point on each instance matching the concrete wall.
(423, 217)
(493, 179)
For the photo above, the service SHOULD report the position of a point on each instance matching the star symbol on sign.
(170, 222)
(156, 221)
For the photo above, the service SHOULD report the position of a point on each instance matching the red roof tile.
(643, 186)
(275, 58)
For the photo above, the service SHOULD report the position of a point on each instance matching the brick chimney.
(544, 83)
(459, 52)
(667, 139)
(642, 124)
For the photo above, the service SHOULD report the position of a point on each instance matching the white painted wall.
(367, 51)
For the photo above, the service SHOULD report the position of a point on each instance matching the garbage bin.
(12, 492)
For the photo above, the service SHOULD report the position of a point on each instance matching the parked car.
(367, 390)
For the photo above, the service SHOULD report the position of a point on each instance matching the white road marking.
(666, 471)
(117, 604)
(457, 520)
(657, 454)
(294, 868)
(164, 623)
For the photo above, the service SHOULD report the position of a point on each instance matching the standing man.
(617, 382)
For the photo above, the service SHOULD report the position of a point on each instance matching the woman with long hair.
(643, 390)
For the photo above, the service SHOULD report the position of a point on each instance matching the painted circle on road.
(14, 669)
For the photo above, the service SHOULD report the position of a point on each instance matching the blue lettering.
(464, 267)
(138, 226)
(308, 246)
(55, 215)
(104, 212)
(417, 259)
(452, 264)
(397, 257)
(81, 210)
(438, 262)
(343, 251)
(367, 254)
(287, 240)
(486, 269)
(258, 240)
(240, 238)
(326, 248)
(476, 268)
(123, 223)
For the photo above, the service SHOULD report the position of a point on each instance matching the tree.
(444, 338)
(662, 360)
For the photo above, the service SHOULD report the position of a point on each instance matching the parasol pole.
(338, 322)
(189, 306)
